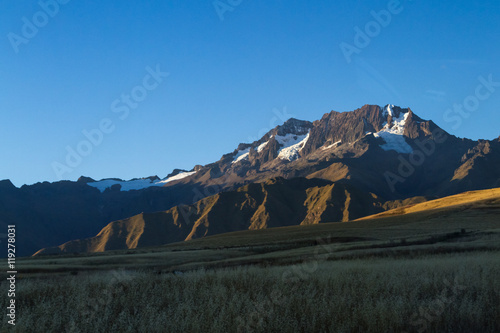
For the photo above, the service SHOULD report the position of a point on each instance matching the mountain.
(387, 151)
(276, 202)
(51, 213)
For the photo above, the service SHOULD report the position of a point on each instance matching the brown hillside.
(471, 198)
(275, 203)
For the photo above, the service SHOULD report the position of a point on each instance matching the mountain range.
(341, 167)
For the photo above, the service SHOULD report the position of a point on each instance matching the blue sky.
(236, 68)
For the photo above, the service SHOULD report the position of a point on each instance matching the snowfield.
(292, 145)
(393, 136)
(241, 155)
(262, 146)
(137, 184)
(332, 145)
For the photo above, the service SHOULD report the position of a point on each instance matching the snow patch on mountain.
(241, 155)
(291, 146)
(388, 110)
(245, 153)
(332, 145)
(178, 176)
(393, 135)
(262, 146)
(137, 184)
(394, 142)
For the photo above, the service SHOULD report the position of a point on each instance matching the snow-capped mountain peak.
(392, 132)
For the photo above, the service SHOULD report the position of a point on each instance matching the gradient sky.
(233, 75)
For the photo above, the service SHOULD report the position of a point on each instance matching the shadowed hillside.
(274, 203)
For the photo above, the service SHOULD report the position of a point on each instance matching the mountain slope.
(49, 214)
(473, 199)
(476, 209)
(273, 203)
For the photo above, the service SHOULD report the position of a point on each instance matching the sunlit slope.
(471, 199)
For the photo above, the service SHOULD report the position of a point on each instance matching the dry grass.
(444, 293)
(472, 199)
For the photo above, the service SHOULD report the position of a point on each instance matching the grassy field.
(425, 270)
(436, 293)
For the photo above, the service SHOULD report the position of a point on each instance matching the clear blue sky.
(225, 76)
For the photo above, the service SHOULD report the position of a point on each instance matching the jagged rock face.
(386, 150)
(292, 126)
(345, 127)
(268, 147)
(335, 128)
(353, 126)
(299, 148)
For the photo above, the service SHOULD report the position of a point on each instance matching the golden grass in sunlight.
(467, 199)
